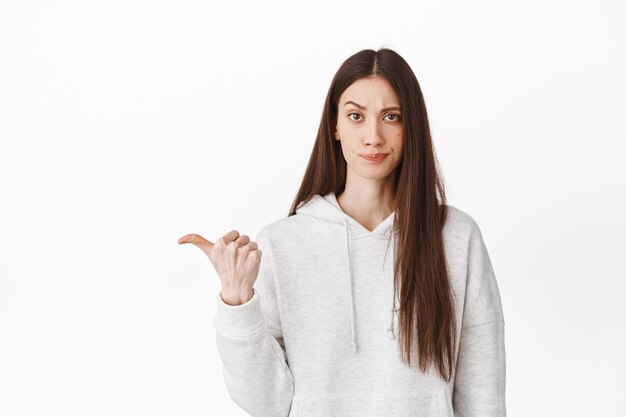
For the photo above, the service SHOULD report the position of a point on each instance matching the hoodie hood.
(326, 208)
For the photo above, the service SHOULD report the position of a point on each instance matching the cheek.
(398, 143)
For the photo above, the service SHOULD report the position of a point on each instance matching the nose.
(372, 134)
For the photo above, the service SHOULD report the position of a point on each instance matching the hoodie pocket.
(431, 403)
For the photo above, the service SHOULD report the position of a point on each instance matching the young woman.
(310, 328)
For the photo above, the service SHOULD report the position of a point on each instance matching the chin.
(380, 175)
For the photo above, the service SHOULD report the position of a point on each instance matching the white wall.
(127, 124)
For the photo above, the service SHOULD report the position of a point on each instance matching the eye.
(350, 114)
(396, 117)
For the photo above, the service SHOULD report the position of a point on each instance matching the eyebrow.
(363, 107)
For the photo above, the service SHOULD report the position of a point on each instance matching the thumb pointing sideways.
(205, 245)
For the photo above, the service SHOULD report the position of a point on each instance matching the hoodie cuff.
(239, 320)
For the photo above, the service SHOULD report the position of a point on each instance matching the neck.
(368, 207)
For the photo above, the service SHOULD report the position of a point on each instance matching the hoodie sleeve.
(250, 343)
(479, 386)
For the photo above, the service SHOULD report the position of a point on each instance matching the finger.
(242, 240)
(230, 236)
(196, 240)
(250, 246)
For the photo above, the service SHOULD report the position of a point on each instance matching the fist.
(236, 260)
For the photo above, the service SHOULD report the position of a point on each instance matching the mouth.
(374, 157)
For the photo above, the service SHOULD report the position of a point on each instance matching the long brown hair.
(426, 311)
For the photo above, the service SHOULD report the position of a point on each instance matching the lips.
(374, 156)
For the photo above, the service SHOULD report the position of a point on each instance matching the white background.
(126, 124)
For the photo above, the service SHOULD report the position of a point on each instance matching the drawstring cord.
(391, 328)
(352, 319)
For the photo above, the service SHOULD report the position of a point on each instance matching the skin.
(236, 260)
(368, 196)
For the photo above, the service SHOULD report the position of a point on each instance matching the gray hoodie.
(318, 337)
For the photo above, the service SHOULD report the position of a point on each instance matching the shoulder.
(281, 229)
(466, 252)
(460, 224)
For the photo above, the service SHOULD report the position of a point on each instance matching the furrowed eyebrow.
(363, 107)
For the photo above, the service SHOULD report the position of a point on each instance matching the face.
(369, 121)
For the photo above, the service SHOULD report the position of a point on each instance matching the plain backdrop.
(125, 125)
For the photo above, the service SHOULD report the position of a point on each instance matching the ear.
(336, 136)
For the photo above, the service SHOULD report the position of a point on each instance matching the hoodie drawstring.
(351, 295)
(352, 324)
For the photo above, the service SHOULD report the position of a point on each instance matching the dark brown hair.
(426, 311)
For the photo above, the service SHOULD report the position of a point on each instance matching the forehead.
(370, 91)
